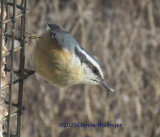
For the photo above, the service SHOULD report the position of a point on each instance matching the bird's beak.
(106, 85)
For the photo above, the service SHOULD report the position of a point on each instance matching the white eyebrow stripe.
(93, 61)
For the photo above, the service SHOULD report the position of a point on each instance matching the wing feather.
(62, 38)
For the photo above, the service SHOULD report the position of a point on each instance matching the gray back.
(63, 39)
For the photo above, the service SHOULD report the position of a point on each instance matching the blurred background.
(124, 35)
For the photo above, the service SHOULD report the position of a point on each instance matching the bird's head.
(90, 68)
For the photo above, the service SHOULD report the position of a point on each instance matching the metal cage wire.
(5, 6)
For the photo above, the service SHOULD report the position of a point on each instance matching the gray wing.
(63, 39)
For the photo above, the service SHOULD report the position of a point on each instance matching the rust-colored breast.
(54, 64)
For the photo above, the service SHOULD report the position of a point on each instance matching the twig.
(6, 117)
(7, 53)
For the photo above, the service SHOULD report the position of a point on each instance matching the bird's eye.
(95, 70)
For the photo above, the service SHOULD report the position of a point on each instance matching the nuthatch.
(63, 62)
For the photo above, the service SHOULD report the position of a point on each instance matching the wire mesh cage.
(13, 16)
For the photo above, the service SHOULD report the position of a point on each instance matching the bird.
(63, 62)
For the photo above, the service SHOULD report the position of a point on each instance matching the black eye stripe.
(95, 70)
(85, 60)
